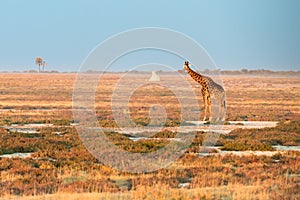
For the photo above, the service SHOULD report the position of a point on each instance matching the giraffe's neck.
(197, 77)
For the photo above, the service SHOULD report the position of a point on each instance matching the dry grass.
(160, 192)
(61, 168)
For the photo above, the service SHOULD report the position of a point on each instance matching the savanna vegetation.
(60, 165)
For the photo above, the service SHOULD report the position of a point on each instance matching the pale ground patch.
(16, 155)
(198, 126)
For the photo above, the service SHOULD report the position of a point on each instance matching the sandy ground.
(198, 126)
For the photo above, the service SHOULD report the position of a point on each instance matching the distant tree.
(44, 65)
(39, 62)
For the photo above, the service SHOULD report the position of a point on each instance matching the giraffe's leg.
(221, 110)
(205, 106)
(219, 115)
(223, 105)
(209, 107)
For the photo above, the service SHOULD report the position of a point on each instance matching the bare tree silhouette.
(44, 65)
(39, 62)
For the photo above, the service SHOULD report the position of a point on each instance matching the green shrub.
(247, 146)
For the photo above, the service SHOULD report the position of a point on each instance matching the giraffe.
(209, 89)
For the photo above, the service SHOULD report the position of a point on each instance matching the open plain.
(36, 120)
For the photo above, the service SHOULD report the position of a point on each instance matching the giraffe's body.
(209, 90)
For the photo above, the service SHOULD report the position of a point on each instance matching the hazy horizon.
(149, 70)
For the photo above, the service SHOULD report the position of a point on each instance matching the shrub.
(247, 146)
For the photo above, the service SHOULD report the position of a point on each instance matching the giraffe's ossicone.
(210, 89)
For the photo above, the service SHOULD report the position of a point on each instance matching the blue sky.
(237, 34)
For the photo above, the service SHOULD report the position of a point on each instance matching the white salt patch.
(183, 185)
(255, 124)
(287, 148)
(23, 130)
(198, 126)
(38, 125)
(135, 139)
(249, 153)
(16, 155)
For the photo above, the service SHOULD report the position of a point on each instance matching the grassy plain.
(61, 166)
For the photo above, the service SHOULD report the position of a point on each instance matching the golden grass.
(251, 98)
(160, 192)
(47, 98)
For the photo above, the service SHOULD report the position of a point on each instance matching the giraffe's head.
(186, 65)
